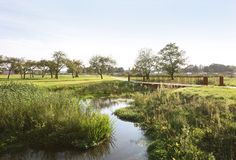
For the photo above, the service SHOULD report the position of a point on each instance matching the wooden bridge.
(203, 81)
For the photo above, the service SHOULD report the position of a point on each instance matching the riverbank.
(184, 125)
(47, 117)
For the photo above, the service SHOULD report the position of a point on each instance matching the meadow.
(47, 113)
(64, 80)
(185, 123)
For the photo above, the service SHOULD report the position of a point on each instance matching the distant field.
(63, 80)
(229, 94)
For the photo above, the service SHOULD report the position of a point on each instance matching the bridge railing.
(182, 79)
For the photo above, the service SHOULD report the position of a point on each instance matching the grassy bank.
(112, 89)
(219, 93)
(37, 118)
(85, 86)
(182, 128)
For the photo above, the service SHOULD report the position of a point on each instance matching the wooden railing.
(199, 80)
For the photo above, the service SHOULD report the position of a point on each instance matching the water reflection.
(127, 143)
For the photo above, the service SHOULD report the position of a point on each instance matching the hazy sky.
(205, 29)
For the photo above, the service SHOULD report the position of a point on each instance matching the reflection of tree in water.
(101, 102)
(96, 153)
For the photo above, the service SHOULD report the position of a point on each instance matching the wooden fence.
(195, 80)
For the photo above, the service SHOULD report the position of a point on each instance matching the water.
(128, 142)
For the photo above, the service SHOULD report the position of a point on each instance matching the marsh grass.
(37, 118)
(105, 89)
(185, 128)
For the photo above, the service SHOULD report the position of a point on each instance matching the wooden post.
(221, 81)
(144, 78)
(205, 81)
(128, 77)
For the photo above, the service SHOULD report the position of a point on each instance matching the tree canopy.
(145, 62)
(171, 59)
(101, 64)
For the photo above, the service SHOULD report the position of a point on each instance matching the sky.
(34, 29)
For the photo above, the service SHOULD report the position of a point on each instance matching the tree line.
(169, 60)
(210, 69)
(98, 64)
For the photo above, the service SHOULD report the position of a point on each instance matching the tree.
(43, 66)
(101, 64)
(10, 64)
(1, 63)
(75, 67)
(145, 62)
(51, 67)
(171, 59)
(59, 59)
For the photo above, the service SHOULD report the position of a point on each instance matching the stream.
(127, 143)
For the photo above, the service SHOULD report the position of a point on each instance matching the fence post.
(128, 77)
(205, 81)
(144, 78)
(221, 81)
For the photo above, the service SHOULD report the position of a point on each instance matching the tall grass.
(34, 117)
(183, 128)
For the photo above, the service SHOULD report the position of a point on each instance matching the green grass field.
(230, 81)
(228, 94)
(64, 80)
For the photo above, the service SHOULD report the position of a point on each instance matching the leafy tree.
(101, 64)
(192, 69)
(171, 59)
(145, 62)
(75, 67)
(59, 58)
(10, 64)
(43, 66)
(1, 63)
(51, 67)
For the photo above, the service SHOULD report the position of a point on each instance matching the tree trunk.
(72, 75)
(32, 74)
(43, 74)
(172, 76)
(21, 75)
(24, 75)
(101, 76)
(148, 77)
(101, 73)
(9, 73)
(76, 74)
(51, 74)
(56, 75)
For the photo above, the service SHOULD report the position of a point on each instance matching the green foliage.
(171, 59)
(187, 128)
(129, 114)
(145, 62)
(34, 117)
(103, 89)
(101, 64)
